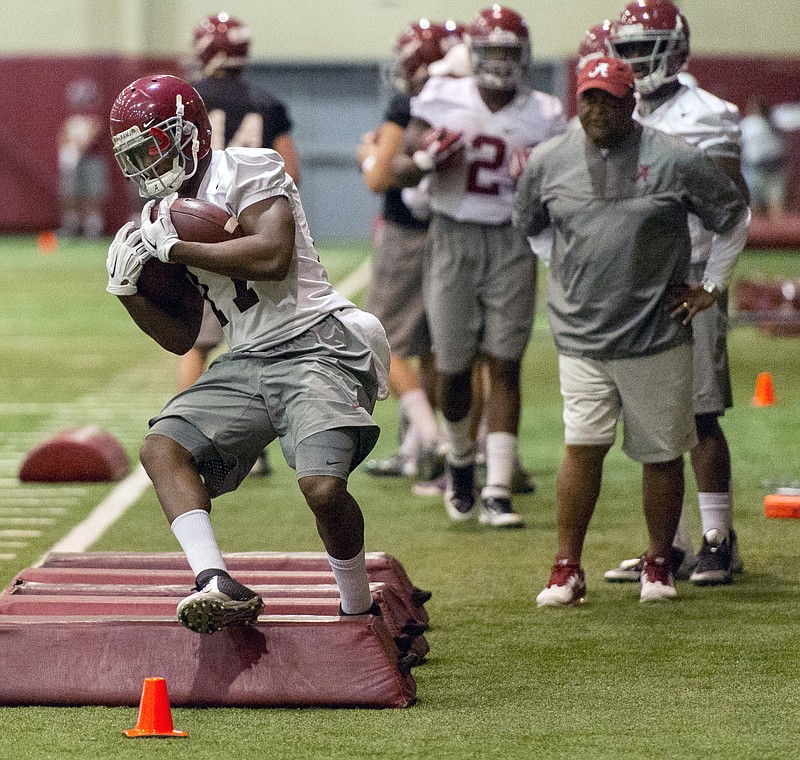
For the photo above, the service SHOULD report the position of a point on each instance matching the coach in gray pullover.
(608, 205)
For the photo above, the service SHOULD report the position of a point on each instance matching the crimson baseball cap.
(610, 74)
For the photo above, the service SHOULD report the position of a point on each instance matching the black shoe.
(218, 601)
(459, 498)
(373, 610)
(715, 560)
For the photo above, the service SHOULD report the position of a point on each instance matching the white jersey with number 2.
(481, 188)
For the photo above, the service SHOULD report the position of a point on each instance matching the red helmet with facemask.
(653, 38)
(160, 132)
(500, 48)
(221, 42)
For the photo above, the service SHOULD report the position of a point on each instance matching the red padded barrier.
(103, 622)
(77, 455)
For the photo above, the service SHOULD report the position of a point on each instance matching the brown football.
(199, 221)
(195, 221)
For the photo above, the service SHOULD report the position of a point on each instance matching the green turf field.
(714, 674)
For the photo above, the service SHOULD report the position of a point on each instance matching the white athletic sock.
(418, 409)
(461, 450)
(196, 537)
(410, 445)
(683, 536)
(501, 456)
(716, 511)
(351, 578)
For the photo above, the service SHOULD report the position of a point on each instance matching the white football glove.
(160, 235)
(126, 257)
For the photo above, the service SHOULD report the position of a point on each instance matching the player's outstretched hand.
(159, 233)
(126, 257)
(441, 149)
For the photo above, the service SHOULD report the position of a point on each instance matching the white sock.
(418, 409)
(351, 578)
(501, 456)
(196, 537)
(410, 445)
(461, 450)
(716, 511)
(683, 536)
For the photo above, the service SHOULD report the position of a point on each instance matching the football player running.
(241, 116)
(652, 36)
(395, 291)
(480, 276)
(305, 366)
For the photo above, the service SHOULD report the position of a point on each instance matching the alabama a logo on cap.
(601, 70)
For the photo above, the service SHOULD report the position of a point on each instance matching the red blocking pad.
(381, 567)
(77, 455)
(86, 611)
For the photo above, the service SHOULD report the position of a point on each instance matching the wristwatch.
(710, 287)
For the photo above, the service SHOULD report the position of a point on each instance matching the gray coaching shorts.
(711, 392)
(650, 394)
(395, 291)
(89, 179)
(324, 380)
(480, 292)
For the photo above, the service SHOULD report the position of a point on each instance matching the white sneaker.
(566, 587)
(658, 585)
(498, 513)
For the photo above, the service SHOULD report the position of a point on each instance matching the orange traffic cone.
(765, 390)
(155, 716)
(47, 242)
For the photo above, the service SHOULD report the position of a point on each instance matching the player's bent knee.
(321, 492)
(158, 452)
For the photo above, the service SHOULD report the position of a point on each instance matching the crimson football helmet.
(221, 42)
(594, 42)
(653, 37)
(160, 132)
(419, 45)
(500, 48)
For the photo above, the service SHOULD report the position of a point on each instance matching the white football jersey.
(710, 124)
(257, 315)
(481, 188)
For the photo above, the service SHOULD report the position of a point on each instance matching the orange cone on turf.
(765, 390)
(155, 716)
(47, 242)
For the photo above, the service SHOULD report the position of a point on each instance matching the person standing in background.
(83, 170)
(395, 291)
(652, 36)
(764, 160)
(479, 274)
(241, 116)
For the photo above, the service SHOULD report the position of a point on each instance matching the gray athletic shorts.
(712, 376)
(480, 292)
(210, 335)
(395, 291)
(650, 394)
(325, 379)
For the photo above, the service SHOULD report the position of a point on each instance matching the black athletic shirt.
(237, 98)
(394, 210)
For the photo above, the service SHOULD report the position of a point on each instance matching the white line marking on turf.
(14, 533)
(356, 281)
(85, 533)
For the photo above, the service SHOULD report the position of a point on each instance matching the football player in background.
(241, 116)
(395, 291)
(653, 37)
(306, 366)
(480, 277)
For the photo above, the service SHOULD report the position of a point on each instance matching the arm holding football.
(264, 252)
(175, 324)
